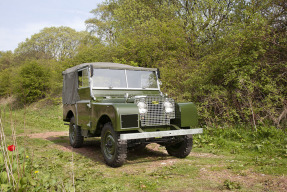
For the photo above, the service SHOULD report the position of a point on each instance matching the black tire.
(76, 138)
(113, 148)
(182, 148)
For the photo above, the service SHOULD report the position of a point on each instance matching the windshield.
(124, 79)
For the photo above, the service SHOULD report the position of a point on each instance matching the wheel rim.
(109, 145)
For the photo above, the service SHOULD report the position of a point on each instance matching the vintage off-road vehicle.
(124, 106)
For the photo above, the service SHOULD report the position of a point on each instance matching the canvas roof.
(107, 65)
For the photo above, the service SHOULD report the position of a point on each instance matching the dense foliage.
(32, 82)
(230, 57)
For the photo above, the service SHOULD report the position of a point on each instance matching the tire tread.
(79, 139)
(184, 149)
(121, 152)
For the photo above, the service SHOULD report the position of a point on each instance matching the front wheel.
(113, 148)
(182, 148)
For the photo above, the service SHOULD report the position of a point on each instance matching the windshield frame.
(126, 81)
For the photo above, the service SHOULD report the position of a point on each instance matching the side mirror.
(158, 73)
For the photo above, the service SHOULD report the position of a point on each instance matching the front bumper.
(157, 134)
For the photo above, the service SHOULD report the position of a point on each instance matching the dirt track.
(91, 150)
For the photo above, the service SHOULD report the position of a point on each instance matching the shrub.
(32, 82)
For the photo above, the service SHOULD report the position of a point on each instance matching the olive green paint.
(114, 112)
(188, 115)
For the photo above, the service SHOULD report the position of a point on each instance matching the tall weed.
(19, 170)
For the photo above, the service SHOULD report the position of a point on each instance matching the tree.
(52, 43)
(139, 31)
(149, 31)
(6, 59)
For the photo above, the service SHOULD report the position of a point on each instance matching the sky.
(20, 19)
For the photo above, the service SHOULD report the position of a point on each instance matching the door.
(84, 104)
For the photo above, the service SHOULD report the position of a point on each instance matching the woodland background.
(229, 57)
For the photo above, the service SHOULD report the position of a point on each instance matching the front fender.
(127, 116)
(186, 115)
(124, 116)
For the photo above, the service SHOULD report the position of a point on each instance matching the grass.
(222, 159)
(265, 150)
(35, 119)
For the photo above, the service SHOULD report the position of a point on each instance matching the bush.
(32, 82)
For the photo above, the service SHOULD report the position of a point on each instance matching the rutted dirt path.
(249, 179)
(47, 135)
(61, 142)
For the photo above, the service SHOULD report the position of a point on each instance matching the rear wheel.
(76, 138)
(113, 148)
(182, 148)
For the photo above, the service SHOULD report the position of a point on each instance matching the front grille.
(156, 115)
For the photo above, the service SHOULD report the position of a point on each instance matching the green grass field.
(223, 159)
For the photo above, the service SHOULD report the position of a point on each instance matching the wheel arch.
(69, 111)
(69, 115)
(101, 122)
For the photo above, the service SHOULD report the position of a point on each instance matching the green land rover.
(124, 106)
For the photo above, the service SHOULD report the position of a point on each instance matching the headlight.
(168, 107)
(142, 107)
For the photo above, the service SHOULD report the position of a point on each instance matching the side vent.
(130, 121)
